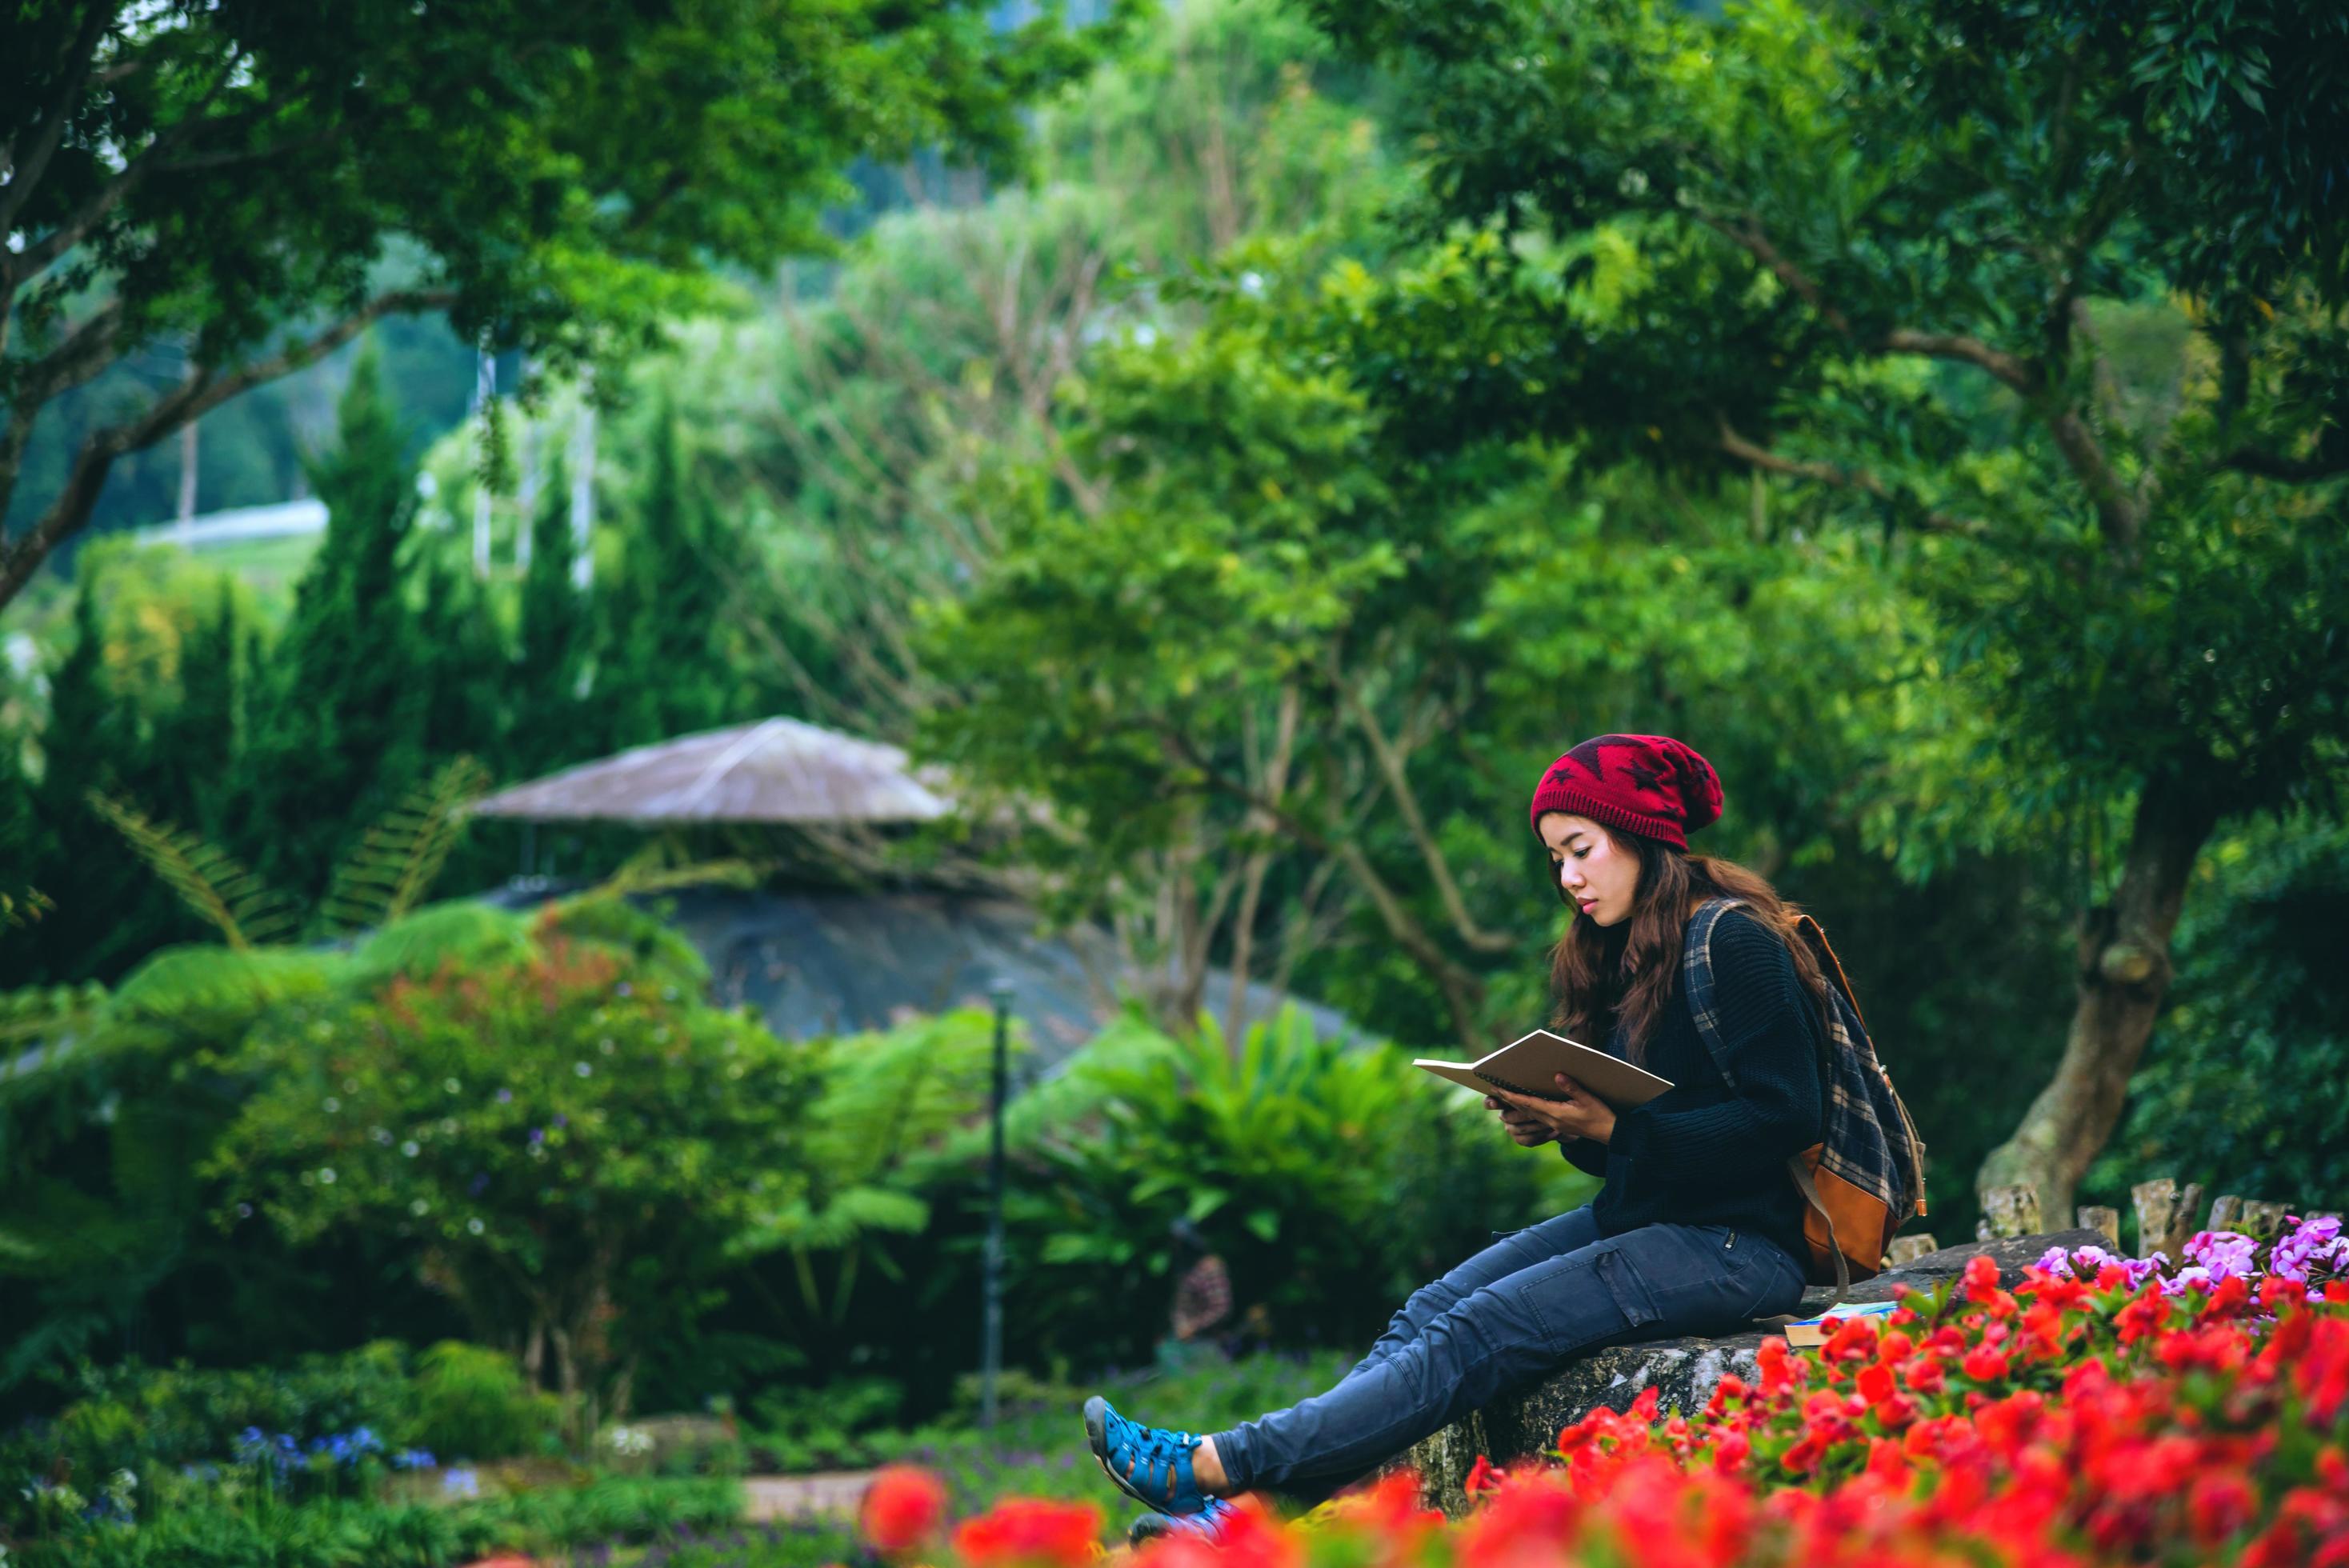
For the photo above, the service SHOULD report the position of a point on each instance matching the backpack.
(1865, 1178)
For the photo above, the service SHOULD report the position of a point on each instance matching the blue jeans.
(1511, 1314)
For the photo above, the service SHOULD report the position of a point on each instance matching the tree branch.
(1767, 461)
(2117, 509)
(85, 351)
(26, 175)
(1747, 237)
(1439, 867)
(2013, 370)
(202, 391)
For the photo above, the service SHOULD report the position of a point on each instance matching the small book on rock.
(1530, 1066)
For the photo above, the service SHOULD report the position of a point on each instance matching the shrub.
(472, 1402)
(1332, 1180)
(573, 1144)
(236, 1532)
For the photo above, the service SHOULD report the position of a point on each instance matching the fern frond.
(210, 880)
(400, 856)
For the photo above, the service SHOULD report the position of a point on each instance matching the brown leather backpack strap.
(1816, 935)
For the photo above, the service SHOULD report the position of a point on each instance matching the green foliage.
(663, 667)
(342, 714)
(2228, 1094)
(568, 1143)
(551, 663)
(230, 1530)
(564, 179)
(1310, 1166)
(886, 1103)
(473, 1403)
(1856, 254)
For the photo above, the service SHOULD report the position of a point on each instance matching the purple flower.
(537, 1136)
(2311, 1243)
(561, 1120)
(505, 1096)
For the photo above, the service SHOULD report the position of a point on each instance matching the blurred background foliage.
(1350, 408)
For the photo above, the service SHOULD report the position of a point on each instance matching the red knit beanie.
(1646, 784)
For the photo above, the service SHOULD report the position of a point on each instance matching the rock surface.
(1685, 1371)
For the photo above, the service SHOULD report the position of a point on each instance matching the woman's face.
(1598, 874)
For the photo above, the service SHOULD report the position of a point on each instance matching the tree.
(259, 186)
(1283, 679)
(551, 666)
(662, 668)
(341, 734)
(104, 913)
(2050, 295)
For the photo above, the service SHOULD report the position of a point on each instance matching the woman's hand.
(1575, 1113)
(1529, 1132)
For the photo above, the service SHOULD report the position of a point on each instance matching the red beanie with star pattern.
(1646, 784)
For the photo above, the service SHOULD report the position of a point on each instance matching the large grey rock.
(1684, 1371)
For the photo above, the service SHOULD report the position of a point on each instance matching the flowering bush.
(570, 1142)
(2104, 1411)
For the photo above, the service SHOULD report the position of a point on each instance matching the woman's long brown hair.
(1628, 969)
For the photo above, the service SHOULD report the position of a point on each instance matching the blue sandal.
(1149, 1464)
(1207, 1525)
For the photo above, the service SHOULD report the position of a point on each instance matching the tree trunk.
(2123, 973)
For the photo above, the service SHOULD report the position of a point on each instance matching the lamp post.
(991, 1346)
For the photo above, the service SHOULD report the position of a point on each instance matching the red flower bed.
(2110, 1417)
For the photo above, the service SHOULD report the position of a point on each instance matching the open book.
(1530, 1066)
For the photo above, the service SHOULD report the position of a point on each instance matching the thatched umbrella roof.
(776, 770)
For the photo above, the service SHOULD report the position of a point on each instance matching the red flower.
(2043, 1329)
(2218, 1504)
(2141, 1316)
(1483, 1477)
(903, 1509)
(1032, 1530)
(1525, 1520)
(1985, 1364)
(1854, 1341)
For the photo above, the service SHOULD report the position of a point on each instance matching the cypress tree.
(335, 739)
(195, 746)
(662, 669)
(549, 729)
(108, 914)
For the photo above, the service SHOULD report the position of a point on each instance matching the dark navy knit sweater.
(1698, 1154)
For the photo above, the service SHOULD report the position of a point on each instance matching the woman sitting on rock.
(1698, 1228)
